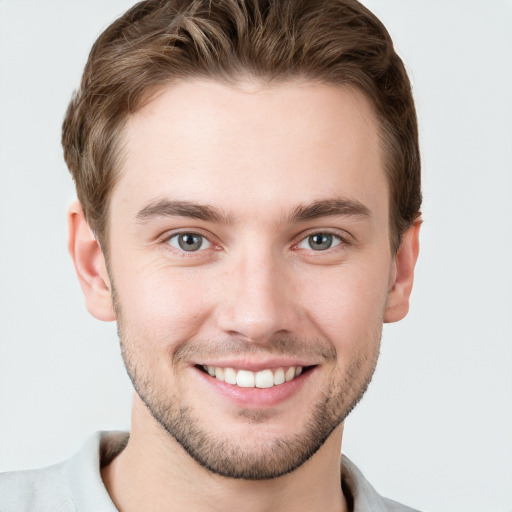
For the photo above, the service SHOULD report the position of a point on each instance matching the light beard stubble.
(222, 455)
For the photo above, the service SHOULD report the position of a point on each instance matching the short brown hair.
(337, 42)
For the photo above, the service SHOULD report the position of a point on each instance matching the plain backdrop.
(435, 428)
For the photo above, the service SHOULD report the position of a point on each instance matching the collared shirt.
(75, 485)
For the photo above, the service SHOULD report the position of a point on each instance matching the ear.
(90, 265)
(397, 305)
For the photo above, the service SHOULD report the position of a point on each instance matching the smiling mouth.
(247, 379)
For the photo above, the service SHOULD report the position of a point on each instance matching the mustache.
(316, 349)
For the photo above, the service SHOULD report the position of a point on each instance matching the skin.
(256, 294)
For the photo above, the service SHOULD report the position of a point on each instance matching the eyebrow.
(165, 208)
(317, 209)
(329, 208)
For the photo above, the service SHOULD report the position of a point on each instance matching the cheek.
(348, 308)
(162, 306)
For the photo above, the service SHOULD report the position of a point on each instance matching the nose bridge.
(257, 300)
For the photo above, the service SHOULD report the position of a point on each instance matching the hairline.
(236, 81)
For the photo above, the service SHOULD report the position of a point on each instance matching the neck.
(154, 472)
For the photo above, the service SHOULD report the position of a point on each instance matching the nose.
(257, 298)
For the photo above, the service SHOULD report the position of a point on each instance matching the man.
(249, 201)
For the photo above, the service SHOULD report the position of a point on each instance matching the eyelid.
(204, 241)
(336, 240)
(209, 237)
(344, 237)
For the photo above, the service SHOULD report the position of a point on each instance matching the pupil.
(189, 242)
(320, 241)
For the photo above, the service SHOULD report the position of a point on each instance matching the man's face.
(249, 239)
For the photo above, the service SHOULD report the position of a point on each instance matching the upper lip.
(255, 366)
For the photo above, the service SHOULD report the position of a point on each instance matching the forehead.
(251, 147)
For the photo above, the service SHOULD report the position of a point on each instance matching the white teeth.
(264, 379)
(219, 373)
(247, 379)
(230, 376)
(279, 377)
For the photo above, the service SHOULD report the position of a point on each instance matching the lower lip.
(256, 397)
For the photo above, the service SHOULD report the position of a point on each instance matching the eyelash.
(336, 238)
(343, 240)
(165, 240)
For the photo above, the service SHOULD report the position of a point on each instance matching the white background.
(435, 429)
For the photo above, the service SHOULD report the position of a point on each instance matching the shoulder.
(394, 506)
(37, 489)
(69, 486)
(361, 493)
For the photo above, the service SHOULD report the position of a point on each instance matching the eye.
(320, 241)
(189, 242)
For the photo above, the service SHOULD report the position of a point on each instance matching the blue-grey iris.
(320, 241)
(190, 241)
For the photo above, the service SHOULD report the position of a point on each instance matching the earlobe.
(402, 278)
(90, 265)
